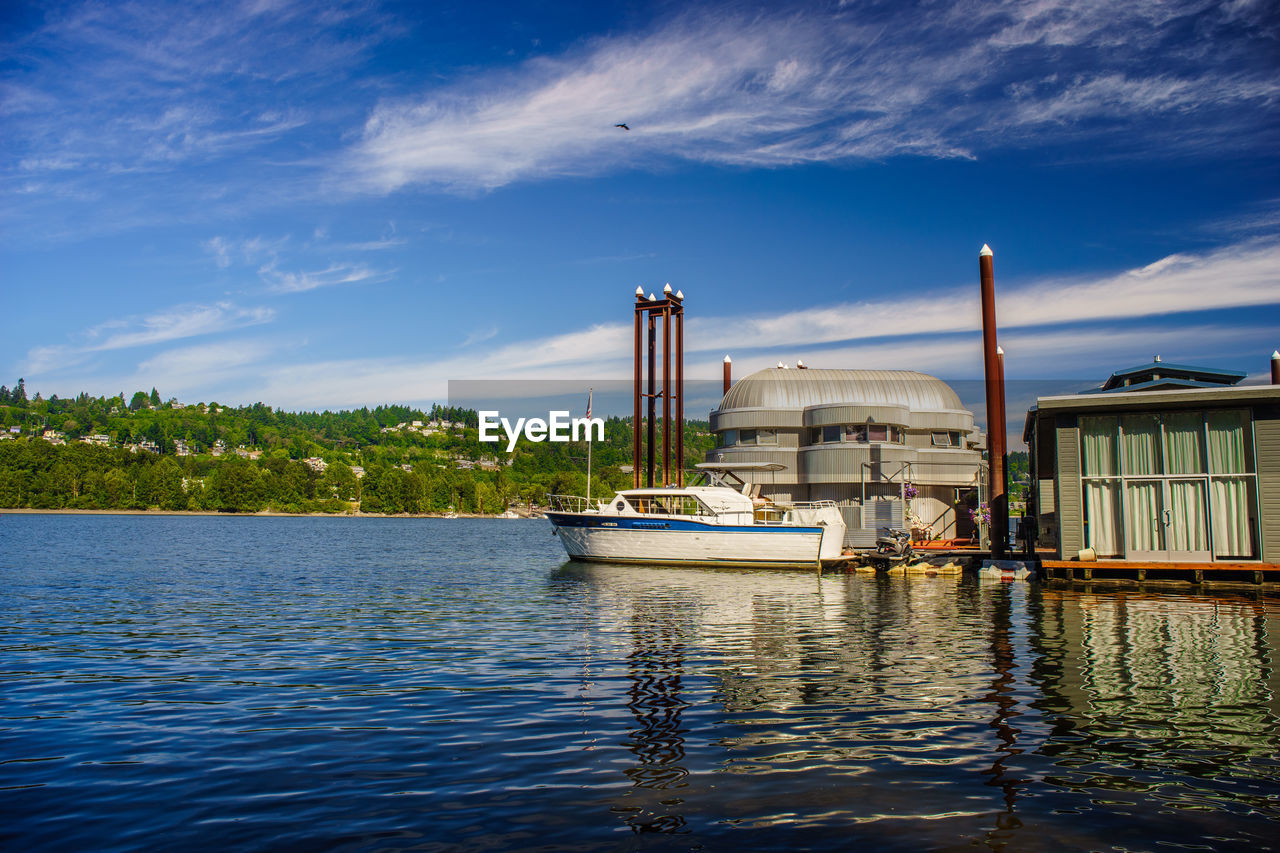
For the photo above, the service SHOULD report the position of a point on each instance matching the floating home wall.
(1067, 500)
(1266, 438)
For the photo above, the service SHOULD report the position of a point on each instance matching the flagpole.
(589, 390)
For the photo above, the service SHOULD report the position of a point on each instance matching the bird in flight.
(623, 126)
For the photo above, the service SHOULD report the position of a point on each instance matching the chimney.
(1275, 367)
(728, 373)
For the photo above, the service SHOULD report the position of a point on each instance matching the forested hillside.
(142, 453)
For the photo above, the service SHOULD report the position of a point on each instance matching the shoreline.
(264, 514)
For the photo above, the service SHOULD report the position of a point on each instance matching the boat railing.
(567, 503)
(813, 505)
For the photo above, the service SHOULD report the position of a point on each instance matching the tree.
(19, 396)
(139, 401)
(155, 398)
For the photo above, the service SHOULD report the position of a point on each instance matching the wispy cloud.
(801, 87)
(480, 336)
(281, 281)
(147, 85)
(174, 323)
(1231, 277)
(1078, 329)
(267, 255)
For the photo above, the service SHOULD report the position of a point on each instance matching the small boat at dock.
(704, 525)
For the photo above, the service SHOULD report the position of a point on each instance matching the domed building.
(856, 437)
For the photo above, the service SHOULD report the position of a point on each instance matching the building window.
(729, 438)
(830, 434)
(757, 436)
(943, 439)
(856, 432)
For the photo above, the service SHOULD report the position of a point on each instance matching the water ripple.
(373, 684)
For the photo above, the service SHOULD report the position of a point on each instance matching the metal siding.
(1068, 502)
(749, 418)
(1266, 436)
(962, 421)
(763, 454)
(843, 463)
(830, 415)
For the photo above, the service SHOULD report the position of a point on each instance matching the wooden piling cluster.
(649, 310)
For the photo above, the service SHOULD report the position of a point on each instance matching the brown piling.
(995, 408)
(635, 418)
(653, 399)
(670, 309)
(728, 373)
(679, 395)
(1275, 367)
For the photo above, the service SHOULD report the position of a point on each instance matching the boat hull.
(619, 539)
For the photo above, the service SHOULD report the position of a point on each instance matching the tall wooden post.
(1004, 452)
(635, 419)
(670, 309)
(679, 318)
(995, 408)
(649, 427)
(666, 387)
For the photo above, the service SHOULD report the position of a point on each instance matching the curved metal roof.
(786, 388)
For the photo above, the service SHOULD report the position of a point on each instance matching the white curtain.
(1102, 515)
(1098, 442)
(1226, 443)
(1231, 517)
(1183, 453)
(1140, 444)
(1187, 514)
(1143, 526)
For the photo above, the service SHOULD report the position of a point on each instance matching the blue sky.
(336, 205)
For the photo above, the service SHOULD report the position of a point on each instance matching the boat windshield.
(668, 505)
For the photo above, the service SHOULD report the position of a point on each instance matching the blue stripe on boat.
(631, 522)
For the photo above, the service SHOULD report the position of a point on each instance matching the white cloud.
(1232, 277)
(174, 323)
(797, 87)
(335, 274)
(203, 365)
(480, 336)
(1081, 328)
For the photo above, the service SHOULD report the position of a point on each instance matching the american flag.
(589, 390)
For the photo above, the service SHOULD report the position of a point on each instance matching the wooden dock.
(1247, 572)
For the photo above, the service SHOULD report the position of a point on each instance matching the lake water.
(377, 684)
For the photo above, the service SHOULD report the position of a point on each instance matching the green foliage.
(270, 460)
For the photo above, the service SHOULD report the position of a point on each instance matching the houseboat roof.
(1162, 374)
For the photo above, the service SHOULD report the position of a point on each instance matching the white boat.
(699, 525)
(511, 513)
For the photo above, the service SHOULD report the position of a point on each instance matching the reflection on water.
(876, 700)
(191, 683)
